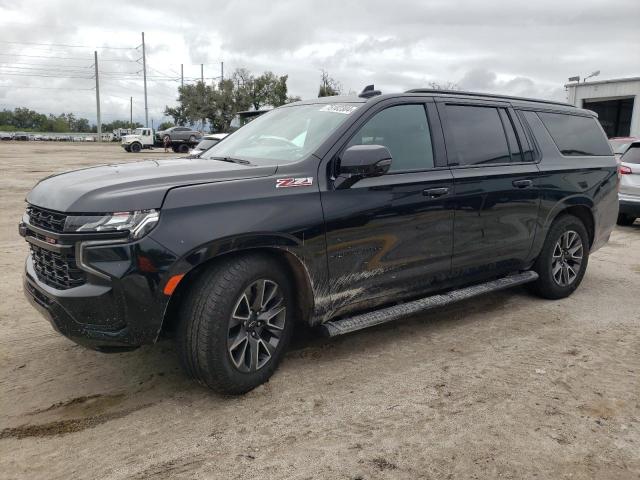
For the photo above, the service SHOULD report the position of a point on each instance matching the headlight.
(138, 223)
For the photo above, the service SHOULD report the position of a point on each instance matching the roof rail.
(490, 95)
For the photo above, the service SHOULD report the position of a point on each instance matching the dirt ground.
(505, 386)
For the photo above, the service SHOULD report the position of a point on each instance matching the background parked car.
(629, 193)
(207, 142)
(621, 144)
(22, 136)
(5, 136)
(242, 118)
(179, 133)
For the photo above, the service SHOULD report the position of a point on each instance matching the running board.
(347, 325)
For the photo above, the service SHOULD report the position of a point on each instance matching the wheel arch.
(581, 208)
(290, 262)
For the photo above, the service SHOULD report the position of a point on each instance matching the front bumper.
(629, 204)
(120, 305)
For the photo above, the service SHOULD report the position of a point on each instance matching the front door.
(391, 236)
(496, 187)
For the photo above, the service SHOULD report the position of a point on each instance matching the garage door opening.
(614, 115)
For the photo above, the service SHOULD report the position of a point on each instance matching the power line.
(86, 59)
(68, 46)
(45, 64)
(42, 75)
(47, 69)
(45, 88)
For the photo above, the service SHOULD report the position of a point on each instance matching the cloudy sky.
(516, 47)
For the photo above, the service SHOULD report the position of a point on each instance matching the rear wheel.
(625, 220)
(183, 148)
(136, 147)
(563, 260)
(235, 324)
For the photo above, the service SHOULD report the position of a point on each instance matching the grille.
(55, 269)
(46, 219)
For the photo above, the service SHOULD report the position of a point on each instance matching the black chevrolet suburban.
(342, 212)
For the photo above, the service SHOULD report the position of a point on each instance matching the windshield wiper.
(232, 160)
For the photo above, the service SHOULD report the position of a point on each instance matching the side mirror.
(361, 161)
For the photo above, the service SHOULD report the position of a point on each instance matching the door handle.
(435, 192)
(522, 183)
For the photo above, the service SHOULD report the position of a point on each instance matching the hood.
(132, 186)
(131, 136)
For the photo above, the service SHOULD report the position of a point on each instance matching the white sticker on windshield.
(339, 108)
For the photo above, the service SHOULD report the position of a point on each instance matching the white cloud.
(512, 47)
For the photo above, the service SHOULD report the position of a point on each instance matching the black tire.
(206, 327)
(183, 148)
(625, 220)
(547, 285)
(136, 147)
(127, 149)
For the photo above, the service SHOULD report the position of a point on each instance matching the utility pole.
(221, 71)
(95, 64)
(144, 74)
(131, 112)
(202, 73)
(182, 75)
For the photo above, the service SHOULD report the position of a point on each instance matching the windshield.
(138, 131)
(283, 135)
(619, 146)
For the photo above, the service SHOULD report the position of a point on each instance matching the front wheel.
(625, 220)
(563, 260)
(136, 147)
(235, 323)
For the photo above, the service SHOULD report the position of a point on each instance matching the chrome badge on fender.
(294, 182)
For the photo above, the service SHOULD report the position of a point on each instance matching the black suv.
(341, 212)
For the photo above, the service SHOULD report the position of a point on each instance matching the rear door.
(495, 186)
(391, 236)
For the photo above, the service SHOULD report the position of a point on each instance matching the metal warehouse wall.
(608, 90)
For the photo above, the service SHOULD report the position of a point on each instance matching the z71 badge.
(294, 182)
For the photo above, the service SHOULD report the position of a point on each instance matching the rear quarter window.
(632, 155)
(575, 135)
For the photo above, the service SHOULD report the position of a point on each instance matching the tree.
(220, 103)
(30, 120)
(328, 86)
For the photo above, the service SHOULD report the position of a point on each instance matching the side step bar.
(347, 325)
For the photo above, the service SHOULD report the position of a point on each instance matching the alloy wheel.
(567, 257)
(256, 325)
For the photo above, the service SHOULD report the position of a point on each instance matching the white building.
(617, 103)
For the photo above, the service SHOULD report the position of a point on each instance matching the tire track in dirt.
(63, 427)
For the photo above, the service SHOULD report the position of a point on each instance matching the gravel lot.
(506, 386)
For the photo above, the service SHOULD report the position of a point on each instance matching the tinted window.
(475, 136)
(514, 146)
(525, 143)
(576, 135)
(404, 130)
(632, 155)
